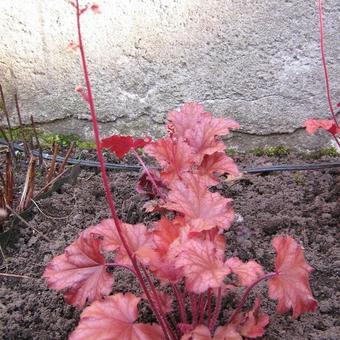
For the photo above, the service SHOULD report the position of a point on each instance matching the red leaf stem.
(102, 165)
(324, 62)
(146, 169)
(246, 294)
(159, 304)
(181, 304)
(209, 305)
(194, 311)
(202, 305)
(216, 310)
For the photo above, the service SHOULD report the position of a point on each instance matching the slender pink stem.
(181, 304)
(146, 169)
(216, 310)
(158, 302)
(102, 165)
(324, 62)
(174, 324)
(247, 292)
(194, 311)
(97, 137)
(209, 305)
(202, 305)
(198, 310)
(337, 140)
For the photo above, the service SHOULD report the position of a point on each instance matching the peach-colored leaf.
(107, 230)
(186, 118)
(113, 318)
(165, 232)
(139, 241)
(164, 270)
(201, 332)
(80, 272)
(291, 284)
(215, 165)
(136, 236)
(191, 114)
(227, 333)
(202, 209)
(202, 265)
(247, 272)
(252, 324)
(199, 129)
(329, 125)
(203, 137)
(174, 156)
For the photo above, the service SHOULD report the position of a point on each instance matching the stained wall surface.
(257, 61)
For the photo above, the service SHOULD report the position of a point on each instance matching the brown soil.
(305, 205)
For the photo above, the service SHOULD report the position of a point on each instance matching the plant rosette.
(184, 251)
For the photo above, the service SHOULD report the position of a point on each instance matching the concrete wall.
(257, 61)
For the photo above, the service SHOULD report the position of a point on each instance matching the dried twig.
(2, 206)
(27, 192)
(26, 224)
(51, 171)
(9, 189)
(27, 150)
(6, 113)
(9, 144)
(67, 156)
(49, 216)
(37, 140)
(3, 256)
(16, 275)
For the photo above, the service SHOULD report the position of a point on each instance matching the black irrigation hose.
(127, 167)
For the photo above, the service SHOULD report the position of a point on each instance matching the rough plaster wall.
(254, 60)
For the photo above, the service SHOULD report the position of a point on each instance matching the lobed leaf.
(121, 145)
(186, 118)
(202, 209)
(203, 136)
(174, 156)
(329, 125)
(291, 284)
(202, 265)
(137, 238)
(227, 333)
(202, 332)
(165, 233)
(139, 242)
(199, 129)
(215, 165)
(114, 318)
(80, 272)
(252, 324)
(247, 272)
(107, 230)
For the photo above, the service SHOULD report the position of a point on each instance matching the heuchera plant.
(184, 251)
